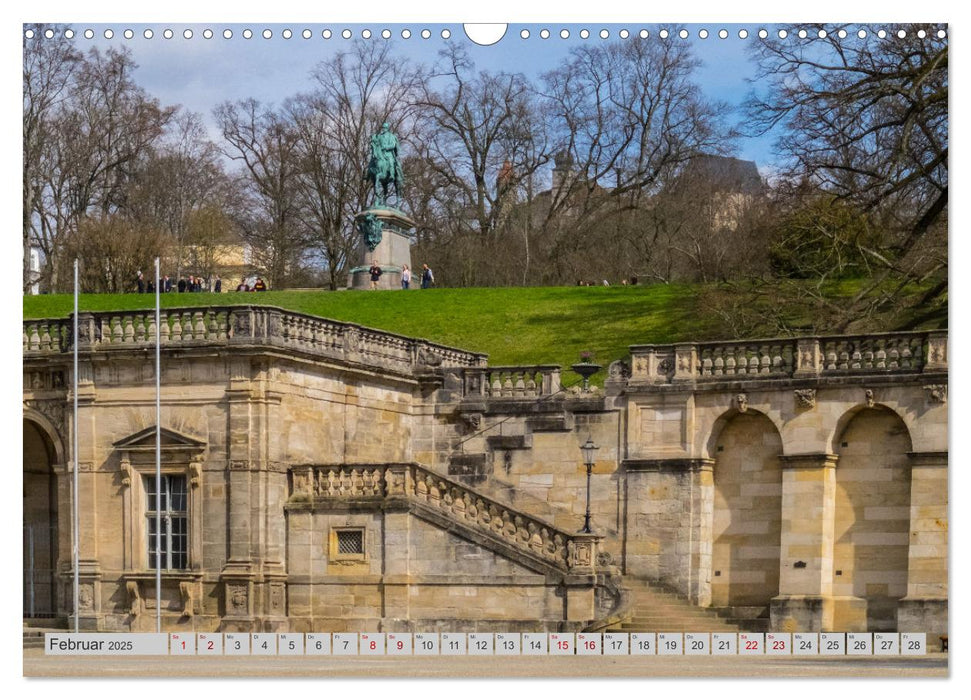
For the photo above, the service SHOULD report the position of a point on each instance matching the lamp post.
(588, 449)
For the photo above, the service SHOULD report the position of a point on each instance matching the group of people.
(427, 276)
(624, 282)
(191, 283)
(258, 286)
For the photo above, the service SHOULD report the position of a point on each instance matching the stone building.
(324, 476)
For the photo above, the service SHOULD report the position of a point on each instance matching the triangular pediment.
(170, 440)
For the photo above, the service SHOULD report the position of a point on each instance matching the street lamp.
(588, 449)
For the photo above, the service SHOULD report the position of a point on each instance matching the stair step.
(657, 609)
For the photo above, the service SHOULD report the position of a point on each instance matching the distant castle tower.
(563, 168)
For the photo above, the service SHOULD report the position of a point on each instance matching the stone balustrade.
(242, 325)
(568, 552)
(817, 356)
(525, 382)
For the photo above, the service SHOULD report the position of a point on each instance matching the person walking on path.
(219, 285)
(260, 285)
(405, 277)
(427, 277)
(166, 284)
(375, 273)
(181, 285)
(140, 282)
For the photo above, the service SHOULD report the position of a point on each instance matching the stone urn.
(586, 370)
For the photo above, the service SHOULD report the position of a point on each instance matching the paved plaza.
(36, 664)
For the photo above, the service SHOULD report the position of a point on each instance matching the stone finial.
(936, 393)
(805, 398)
(868, 398)
(741, 402)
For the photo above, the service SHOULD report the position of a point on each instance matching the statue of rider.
(385, 167)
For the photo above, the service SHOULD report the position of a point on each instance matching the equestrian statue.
(384, 168)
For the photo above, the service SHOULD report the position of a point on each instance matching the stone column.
(924, 609)
(805, 602)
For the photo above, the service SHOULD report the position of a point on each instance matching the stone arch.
(720, 423)
(50, 433)
(847, 417)
(42, 452)
(871, 533)
(747, 510)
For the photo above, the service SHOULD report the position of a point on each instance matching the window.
(171, 504)
(347, 545)
(350, 542)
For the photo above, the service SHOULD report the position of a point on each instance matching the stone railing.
(569, 552)
(242, 325)
(526, 382)
(879, 353)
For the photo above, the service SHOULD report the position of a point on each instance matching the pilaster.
(806, 553)
(924, 609)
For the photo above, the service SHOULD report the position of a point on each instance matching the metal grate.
(350, 541)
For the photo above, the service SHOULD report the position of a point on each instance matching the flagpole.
(158, 459)
(75, 515)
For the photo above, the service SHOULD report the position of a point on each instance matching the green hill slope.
(536, 325)
(541, 325)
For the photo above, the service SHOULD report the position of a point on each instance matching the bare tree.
(482, 135)
(49, 65)
(266, 143)
(627, 117)
(181, 176)
(112, 249)
(104, 124)
(866, 121)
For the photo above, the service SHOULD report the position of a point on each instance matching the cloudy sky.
(200, 73)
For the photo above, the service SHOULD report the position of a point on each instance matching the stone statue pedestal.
(391, 253)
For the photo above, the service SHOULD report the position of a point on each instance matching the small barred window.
(350, 541)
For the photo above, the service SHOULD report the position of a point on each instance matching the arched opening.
(747, 512)
(40, 523)
(872, 520)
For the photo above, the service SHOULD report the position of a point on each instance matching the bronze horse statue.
(384, 168)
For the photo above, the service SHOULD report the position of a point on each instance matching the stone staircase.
(657, 609)
(34, 630)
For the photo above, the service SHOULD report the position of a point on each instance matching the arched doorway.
(40, 523)
(747, 512)
(872, 520)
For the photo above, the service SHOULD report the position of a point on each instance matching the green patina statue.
(384, 168)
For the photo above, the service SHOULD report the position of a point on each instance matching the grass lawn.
(540, 325)
(534, 325)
